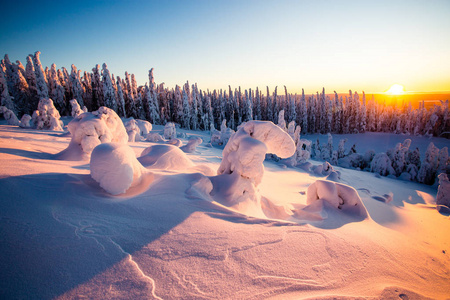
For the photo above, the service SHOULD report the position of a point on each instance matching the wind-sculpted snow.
(115, 167)
(91, 129)
(167, 157)
(338, 195)
(242, 168)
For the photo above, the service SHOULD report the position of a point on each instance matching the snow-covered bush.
(303, 151)
(154, 137)
(192, 144)
(338, 195)
(381, 164)
(76, 109)
(220, 138)
(427, 172)
(242, 169)
(47, 116)
(170, 131)
(91, 129)
(145, 127)
(25, 121)
(9, 116)
(115, 167)
(443, 193)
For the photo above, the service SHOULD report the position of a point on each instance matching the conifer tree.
(109, 94)
(41, 83)
(75, 83)
(57, 91)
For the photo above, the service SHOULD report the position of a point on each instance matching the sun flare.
(396, 89)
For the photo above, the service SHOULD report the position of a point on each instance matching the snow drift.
(115, 167)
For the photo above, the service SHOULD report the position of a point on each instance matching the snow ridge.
(136, 265)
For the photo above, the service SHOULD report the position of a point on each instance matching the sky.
(340, 45)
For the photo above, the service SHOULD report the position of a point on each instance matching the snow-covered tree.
(5, 97)
(109, 94)
(41, 83)
(429, 166)
(57, 91)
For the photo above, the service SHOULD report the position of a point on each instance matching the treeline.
(21, 87)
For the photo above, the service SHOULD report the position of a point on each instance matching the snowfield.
(147, 220)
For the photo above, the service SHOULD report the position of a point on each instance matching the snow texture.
(47, 116)
(90, 129)
(115, 167)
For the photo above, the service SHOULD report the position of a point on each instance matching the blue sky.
(339, 45)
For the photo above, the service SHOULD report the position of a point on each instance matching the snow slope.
(63, 236)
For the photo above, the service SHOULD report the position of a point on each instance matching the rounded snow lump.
(115, 167)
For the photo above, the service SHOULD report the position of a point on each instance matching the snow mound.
(338, 195)
(47, 116)
(192, 144)
(88, 130)
(115, 167)
(9, 116)
(165, 157)
(242, 169)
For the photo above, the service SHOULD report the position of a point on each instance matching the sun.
(396, 89)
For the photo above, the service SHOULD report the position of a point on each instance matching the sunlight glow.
(396, 89)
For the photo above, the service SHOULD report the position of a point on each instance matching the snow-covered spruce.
(443, 193)
(170, 131)
(220, 138)
(242, 169)
(134, 134)
(9, 116)
(76, 109)
(47, 116)
(91, 129)
(25, 121)
(115, 167)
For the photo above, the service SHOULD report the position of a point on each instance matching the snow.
(91, 129)
(65, 237)
(115, 167)
(47, 116)
(9, 116)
